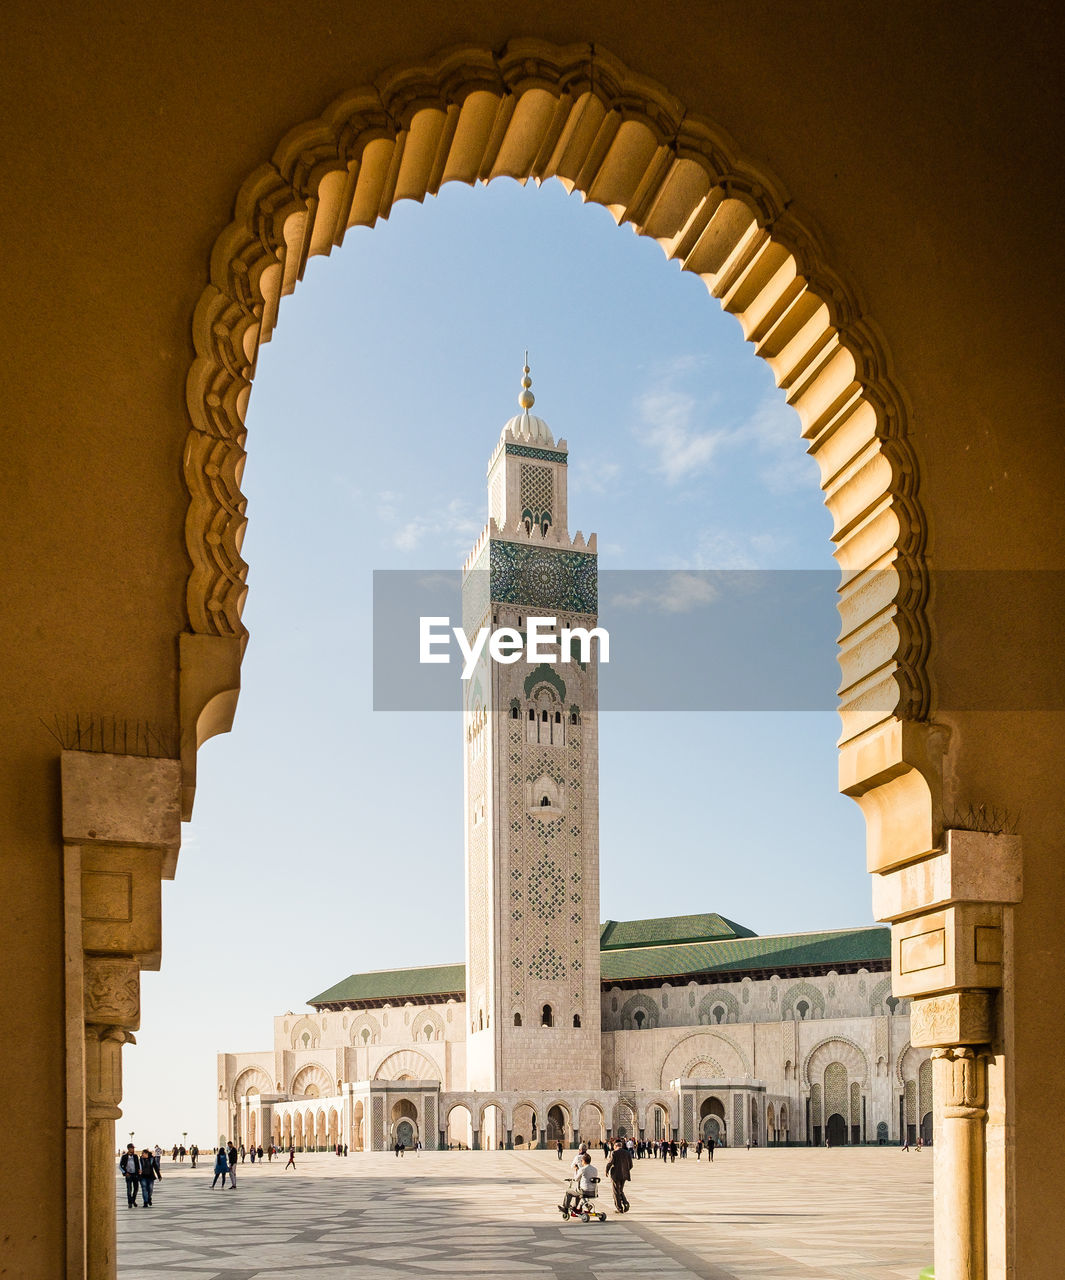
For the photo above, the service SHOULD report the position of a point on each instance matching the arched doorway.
(493, 1128)
(712, 1122)
(557, 1125)
(458, 1126)
(590, 1124)
(357, 1115)
(404, 1129)
(836, 1130)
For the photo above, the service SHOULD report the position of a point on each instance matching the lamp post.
(131, 1133)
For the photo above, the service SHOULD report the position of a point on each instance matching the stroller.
(582, 1204)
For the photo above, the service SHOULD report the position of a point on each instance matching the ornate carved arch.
(535, 111)
(365, 1022)
(252, 1078)
(813, 996)
(422, 1018)
(640, 1001)
(409, 1064)
(836, 1049)
(725, 998)
(909, 1062)
(708, 1046)
(305, 1026)
(313, 1074)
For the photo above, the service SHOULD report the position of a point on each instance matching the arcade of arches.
(889, 242)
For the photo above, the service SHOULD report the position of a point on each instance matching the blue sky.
(328, 838)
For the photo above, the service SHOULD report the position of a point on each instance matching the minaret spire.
(526, 399)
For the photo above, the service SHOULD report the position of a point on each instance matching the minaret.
(532, 784)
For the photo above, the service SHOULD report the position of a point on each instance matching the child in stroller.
(581, 1193)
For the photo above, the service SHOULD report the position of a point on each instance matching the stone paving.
(792, 1214)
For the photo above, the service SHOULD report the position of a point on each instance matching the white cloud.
(669, 592)
(594, 477)
(451, 527)
(682, 450)
(722, 549)
(774, 430)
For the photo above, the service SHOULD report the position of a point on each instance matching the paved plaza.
(794, 1214)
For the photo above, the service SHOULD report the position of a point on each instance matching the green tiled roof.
(739, 951)
(397, 984)
(783, 951)
(616, 934)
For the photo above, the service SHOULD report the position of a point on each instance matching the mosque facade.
(558, 1026)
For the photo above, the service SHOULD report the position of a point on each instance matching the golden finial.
(526, 399)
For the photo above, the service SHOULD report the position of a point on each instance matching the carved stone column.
(103, 1092)
(950, 914)
(121, 831)
(959, 1082)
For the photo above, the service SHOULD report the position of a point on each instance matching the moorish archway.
(536, 111)
(533, 111)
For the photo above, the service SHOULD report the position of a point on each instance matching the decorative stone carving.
(957, 1018)
(112, 991)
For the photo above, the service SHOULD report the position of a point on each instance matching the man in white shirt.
(584, 1184)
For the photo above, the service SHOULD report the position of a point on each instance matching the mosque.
(558, 1026)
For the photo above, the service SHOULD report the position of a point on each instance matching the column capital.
(962, 1074)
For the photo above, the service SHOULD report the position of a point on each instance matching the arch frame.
(309, 1069)
(532, 111)
(251, 1071)
(837, 1049)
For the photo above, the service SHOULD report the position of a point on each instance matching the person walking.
(194, 1152)
(291, 1158)
(221, 1167)
(619, 1171)
(157, 1160)
(251, 1152)
(699, 1149)
(558, 1148)
(242, 1153)
(181, 1154)
(147, 1178)
(131, 1170)
(173, 1155)
(710, 1151)
(233, 1156)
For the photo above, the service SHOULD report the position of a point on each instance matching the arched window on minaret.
(545, 802)
(548, 1018)
(517, 1019)
(577, 1020)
